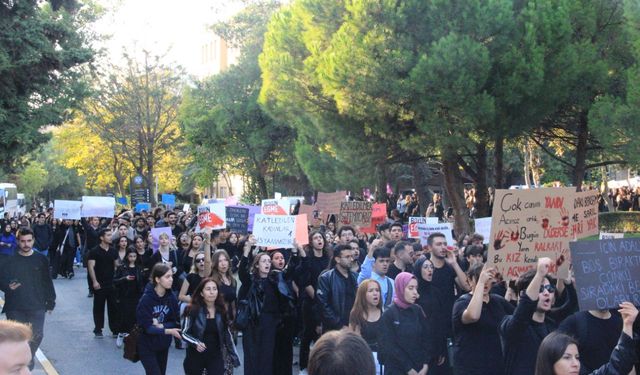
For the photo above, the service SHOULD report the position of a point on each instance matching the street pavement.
(71, 348)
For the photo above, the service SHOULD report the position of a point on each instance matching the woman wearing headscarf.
(405, 347)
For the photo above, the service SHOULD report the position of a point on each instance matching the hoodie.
(155, 309)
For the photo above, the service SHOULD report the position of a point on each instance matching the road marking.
(44, 361)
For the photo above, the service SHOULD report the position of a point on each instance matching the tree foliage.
(134, 112)
(33, 179)
(42, 47)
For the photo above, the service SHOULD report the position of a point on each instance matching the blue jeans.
(36, 319)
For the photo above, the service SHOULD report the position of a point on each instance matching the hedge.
(618, 222)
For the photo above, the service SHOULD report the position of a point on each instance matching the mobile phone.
(323, 228)
(14, 281)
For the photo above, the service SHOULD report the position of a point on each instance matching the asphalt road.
(71, 348)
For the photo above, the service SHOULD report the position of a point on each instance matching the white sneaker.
(303, 372)
(120, 340)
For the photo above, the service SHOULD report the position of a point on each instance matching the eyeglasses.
(200, 260)
(549, 288)
(428, 266)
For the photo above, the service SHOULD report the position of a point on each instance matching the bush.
(618, 222)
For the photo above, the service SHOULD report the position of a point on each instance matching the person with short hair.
(402, 259)
(558, 353)
(102, 266)
(337, 290)
(395, 231)
(15, 354)
(29, 291)
(346, 233)
(375, 267)
(341, 353)
(476, 317)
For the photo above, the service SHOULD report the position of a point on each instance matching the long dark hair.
(551, 350)
(197, 300)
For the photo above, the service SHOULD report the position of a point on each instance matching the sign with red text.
(279, 231)
(211, 216)
(533, 223)
(413, 225)
(275, 207)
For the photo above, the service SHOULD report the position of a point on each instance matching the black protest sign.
(237, 219)
(607, 272)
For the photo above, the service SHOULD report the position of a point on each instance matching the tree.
(33, 179)
(222, 119)
(135, 110)
(42, 47)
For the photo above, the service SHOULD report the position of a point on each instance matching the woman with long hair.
(158, 316)
(166, 254)
(227, 286)
(129, 282)
(365, 315)
(122, 245)
(206, 329)
(268, 298)
(195, 246)
(404, 341)
(184, 247)
(199, 270)
(144, 255)
(318, 259)
(558, 353)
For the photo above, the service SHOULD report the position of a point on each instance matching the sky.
(161, 27)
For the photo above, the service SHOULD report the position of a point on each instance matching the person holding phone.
(28, 288)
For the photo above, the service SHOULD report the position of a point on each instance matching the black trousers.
(195, 362)
(283, 352)
(258, 344)
(100, 298)
(36, 319)
(153, 361)
(309, 333)
(66, 261)
(127, 314)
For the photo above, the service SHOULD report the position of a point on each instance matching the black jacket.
(404, 339)
(330, 297)
(194, 325)
(43, 235)
(622, 359)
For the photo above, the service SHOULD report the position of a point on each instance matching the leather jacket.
(194, 325)
(622, 358)
(330, 298)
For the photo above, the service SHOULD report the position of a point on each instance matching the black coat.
(330, 297)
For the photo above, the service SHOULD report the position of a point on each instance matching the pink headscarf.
(401, 282)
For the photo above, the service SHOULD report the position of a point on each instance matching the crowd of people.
(436, 309)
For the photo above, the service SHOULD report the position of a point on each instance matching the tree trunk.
(482, 194)
(499, 162)
(381, 184)
(581, 152)
(420, 181)
(262, 186)
(525, 164)
(455, 192)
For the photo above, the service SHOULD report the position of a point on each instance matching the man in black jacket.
(28, 288)
(337, 290)
(43, 234)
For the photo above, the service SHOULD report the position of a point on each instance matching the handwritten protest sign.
(98, 206)
(355, 213)
(237, 219)
(211, 216)
(274, 230)
(607, 272)
(483, 227)
(329, 203)
(412, 231)
(67, 210)
(378, 216)
(533, 223)
(275, 207)
(610, 236)
(425, 230)
(584, 221)
(155, 236)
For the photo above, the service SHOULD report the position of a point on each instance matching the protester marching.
(526, 297)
